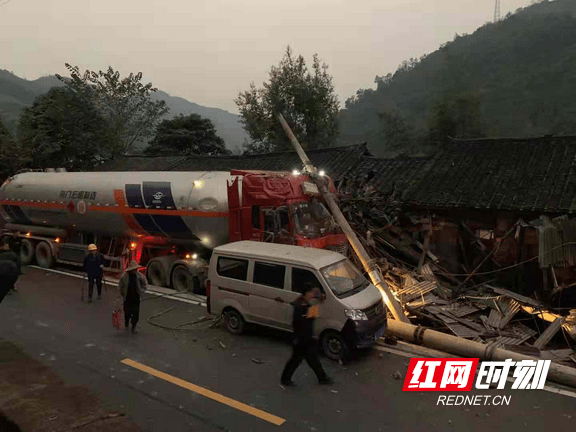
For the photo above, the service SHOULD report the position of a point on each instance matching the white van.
(256, 282)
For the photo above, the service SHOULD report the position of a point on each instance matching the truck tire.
(181, 279)
(156, 274)
(44, 256)
(27, 252)
(333, 345)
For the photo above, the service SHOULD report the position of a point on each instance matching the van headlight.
(356, 315)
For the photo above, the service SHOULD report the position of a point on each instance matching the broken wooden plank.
(427, 273)
(462, 331)
(513, 309)
(461, 309)
(515, 296)
(413, 292)
(549, 333)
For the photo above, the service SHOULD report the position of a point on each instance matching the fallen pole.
(369, 264)
(466, 348)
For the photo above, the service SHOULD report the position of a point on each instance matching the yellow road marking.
(206, 393)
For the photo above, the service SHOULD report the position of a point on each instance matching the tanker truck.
(167, 221)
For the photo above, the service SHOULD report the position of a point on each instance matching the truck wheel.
(181, 279)
(27, 252)
(234, 321)
(333, 345)
(44, 256)
(156, 274)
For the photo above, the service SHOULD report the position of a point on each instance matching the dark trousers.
(304, 351)
(91, 280)
(5, 287)
(131, 312)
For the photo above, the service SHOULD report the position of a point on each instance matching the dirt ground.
(34, 398)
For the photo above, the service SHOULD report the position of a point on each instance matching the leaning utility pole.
(368, 263)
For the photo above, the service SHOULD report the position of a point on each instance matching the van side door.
(298, 279)
(268, 296)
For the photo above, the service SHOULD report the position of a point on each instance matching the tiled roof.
(527, 175)
(531, 175)
(335, 161)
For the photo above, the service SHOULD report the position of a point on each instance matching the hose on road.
(180, 326)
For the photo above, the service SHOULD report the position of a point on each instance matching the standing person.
(304, 346)
(15, 242)
(8, 255)
(131, 285)
(93, 264)
(9, 274)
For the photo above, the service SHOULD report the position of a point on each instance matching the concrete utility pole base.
(465, 348)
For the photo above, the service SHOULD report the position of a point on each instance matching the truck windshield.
(344, 279)
(311, 219)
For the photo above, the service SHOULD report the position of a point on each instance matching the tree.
(305, 98)
(394, 133)
(459, 117)
(124, 103)
(62, 129)
(11, 157)
(185, 135)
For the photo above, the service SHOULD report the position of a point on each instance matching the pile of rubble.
(465, 305)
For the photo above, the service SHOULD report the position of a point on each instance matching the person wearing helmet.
(93, 264)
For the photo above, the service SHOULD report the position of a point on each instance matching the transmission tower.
(497, 11)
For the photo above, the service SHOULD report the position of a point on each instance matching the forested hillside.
(513, 78)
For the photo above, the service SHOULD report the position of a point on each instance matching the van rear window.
(232, 268)
(269, 274)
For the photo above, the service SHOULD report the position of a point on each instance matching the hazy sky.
(208, 51)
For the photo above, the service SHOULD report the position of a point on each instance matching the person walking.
(306, 310)
(93, 264)
(9, 274)
(131, 286)
(6, 254)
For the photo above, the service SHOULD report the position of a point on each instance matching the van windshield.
(344, 278)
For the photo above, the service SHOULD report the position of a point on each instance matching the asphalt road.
(48, 320)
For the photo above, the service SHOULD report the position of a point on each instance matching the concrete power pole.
(497, 11)
(369, 264)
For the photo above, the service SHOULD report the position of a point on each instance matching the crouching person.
(132, 284)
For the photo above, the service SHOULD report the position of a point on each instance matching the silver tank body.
(188, 206)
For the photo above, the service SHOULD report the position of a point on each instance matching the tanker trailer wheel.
(181, 279)
(27, 252)
(44, 256)
(156, 274)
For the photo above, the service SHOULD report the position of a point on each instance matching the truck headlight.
(356, 315)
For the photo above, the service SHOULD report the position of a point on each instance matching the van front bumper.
(362, 334)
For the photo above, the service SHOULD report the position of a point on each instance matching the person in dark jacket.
(93, 264)
(15, 242)
(9, 274)
(304, 345)
(8, 255)
(131, 286)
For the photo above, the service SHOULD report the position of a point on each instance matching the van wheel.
(334, 346)
(44, 256)
(156, 274)
(27, 252)
(234, 322)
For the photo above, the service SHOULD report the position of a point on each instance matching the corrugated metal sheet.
(553, 238)
(415, 291)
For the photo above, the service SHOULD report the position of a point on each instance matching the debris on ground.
(397, 375)
(222, 345)
(257, 361)
(475, 295)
